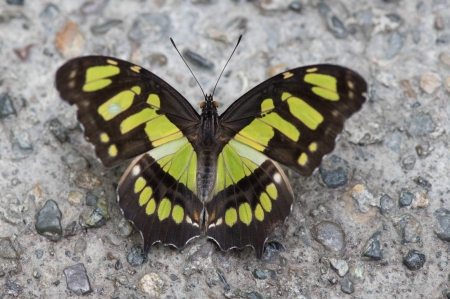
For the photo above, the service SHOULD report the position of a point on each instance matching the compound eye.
(202, 104)
(215, 104)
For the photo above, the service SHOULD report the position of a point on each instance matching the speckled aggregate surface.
(395, 148)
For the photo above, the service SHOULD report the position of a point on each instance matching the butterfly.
(197, 174)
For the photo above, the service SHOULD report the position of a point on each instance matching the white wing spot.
(277, 178)
(219, 221)
(136, 170)
(212, 225)
(188, 220)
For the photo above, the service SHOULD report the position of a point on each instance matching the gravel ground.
(373, 222)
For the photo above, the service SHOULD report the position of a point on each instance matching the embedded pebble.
(395, 44)
(420, 124)
(363, 197)
(113, 239)
(136, 256)
(80, 245)
(6, 105)
(21, 138)
(386, 204)
(334, 171)
(347, 285)
(151, 284)
(15, 2)
(118, 265)
(414, 260)
(296, 6)
(12, 288)
(158, 59)
(334, 24)
(408, 162)
(91, 199)
(372, 249)
(393, 141)
(405, 199)
(7, 249)
(330, 235)
(100, 215)
(39, 253)
(48, 221)
(71, 229)
(58, 130)
(105, 27)
(420, 201)
(74, 198)
(340, 266)
(151, 26)
(357, 272)
(198, 60)
(422, 182)
(446, 85)
(264, 274)
(272, 251)
(125, 228)
(75, 161)
(70, 41)
(443, 217)
(408, 228)
(77, 279)
(93, 6)
(444, 58)
(430, 82)
(87, 180)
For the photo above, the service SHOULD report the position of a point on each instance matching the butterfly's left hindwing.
(125, 110)
(158, 194)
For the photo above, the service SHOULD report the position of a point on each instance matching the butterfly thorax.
(208, 147)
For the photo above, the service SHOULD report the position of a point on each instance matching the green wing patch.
(158, 194)
(125, 110)
(295, 117)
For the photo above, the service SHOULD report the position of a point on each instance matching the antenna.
(237, 44)
(173, 43)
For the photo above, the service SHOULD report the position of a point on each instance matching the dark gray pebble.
(6, 105)
(7, 249)
(39, 253)
(15, 2)
(386, 204)
(136, 256)
(423, 182)
(443, 217)
(71, 229)
(272, 251)
(347, 285)
(334, 24)
(198, 60)
(414, 260)
(48, 221)
(334, 171)
(104, 27)
(408, 228)
(91, 199)
(405, 199)
(100, 215)
(296, 6)
(77, 279)
(264, 274)
(118, 265)
(372, 249)
(330, 235)
(58, 130)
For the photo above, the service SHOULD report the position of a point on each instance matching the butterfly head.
(209, 104)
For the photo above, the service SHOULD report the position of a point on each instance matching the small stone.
(91, 199)
(70, 41)
(74, 198)
(386, 204)
(151, 284)
(405, 199)
(173, 277)
(363, 197)
(113, 239)
(420, 201)
(48, 221)
(125, 228)
(334, 24)
(39, 253)
(296, 6)
(414, 260)
(408, 162)
(37, 274)
(6, 105)
(439, 23)
(198, 60)
(7, 249)
(16, 2)
(443, 217)
(430, 82)
(58, 130)
(12, 288)
(118, 265)
(71, 229)
(340, 266)
(334, 171)
(136, 256)
(357, 272)
(104, 27)
(93, 7)
(77, 279)
(75, 161)
(330, 235)
(100, 215)
(272, 251)
(422, 182)
(347, 285)
(420, 124)
(21, 138)
(393, 141)
(87, 180)
(80, 245)
(158, 59)
(372, 249)
(122, 280)
(24, 52)
(151, 26)
(444, 58)
(264, 274)
(395, 44)
(446, 85)
(408, 228)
